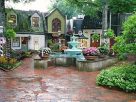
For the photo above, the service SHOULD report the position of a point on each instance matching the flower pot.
(91, 57)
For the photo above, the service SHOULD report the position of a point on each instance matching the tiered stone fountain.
(74, 51)
(71, 55)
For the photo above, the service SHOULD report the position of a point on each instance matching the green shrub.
(126, 43)
(55, 47)
(96, 36)
(110, 33)
(123, 77)
(103, 50)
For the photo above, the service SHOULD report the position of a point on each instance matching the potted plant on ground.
(109, 34)
(91, 53)
(95, 37)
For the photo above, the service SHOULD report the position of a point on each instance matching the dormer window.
(35, 22)
(12, 19)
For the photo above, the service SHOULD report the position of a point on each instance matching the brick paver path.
(55, 84)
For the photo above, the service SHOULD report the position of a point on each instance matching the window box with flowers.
(91, 53)
(44, 53)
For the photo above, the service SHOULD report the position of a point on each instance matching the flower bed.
(8, 64)
(123, 77)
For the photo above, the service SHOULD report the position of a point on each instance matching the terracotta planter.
(91, 57)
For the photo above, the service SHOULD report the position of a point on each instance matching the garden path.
(55, 84)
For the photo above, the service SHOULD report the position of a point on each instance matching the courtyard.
(56, 84)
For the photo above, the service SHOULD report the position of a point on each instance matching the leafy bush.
(96, 36)
(127, 42)
(55, 47)
(10, 33)
(103, 50)
(123, 77)
(120, 47)
(110, 33)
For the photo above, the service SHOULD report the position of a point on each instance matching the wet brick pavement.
(55, 84)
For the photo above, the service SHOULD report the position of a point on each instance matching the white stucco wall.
(40, 39)
(88, 32)
(35, 43)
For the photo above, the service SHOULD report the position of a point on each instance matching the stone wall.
(95, 65)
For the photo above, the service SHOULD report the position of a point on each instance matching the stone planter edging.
(95, 65)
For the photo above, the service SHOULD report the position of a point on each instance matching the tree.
(65, 8)
(25, 1)
(115, 6)
(88, 7)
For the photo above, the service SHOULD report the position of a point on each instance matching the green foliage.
(25, 1)
(110, 33)
(55, 47)
(65, 8)
(120, 6)
(120, 47)
(91, 7)
(10, 33)
(122, 77)
(103, 50)
(88, 7)
(50, 43)
(96, 36)
(127, 42)
(129, 31)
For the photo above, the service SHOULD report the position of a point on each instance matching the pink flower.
(91, 51)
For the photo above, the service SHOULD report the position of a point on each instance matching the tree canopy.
(116, 6)
(25, 1)
(65, 8)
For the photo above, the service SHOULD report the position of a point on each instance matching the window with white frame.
(16, 42)
(35, 21)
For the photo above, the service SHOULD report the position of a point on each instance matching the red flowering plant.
(91, 51)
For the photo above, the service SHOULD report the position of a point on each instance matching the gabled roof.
(53, 10)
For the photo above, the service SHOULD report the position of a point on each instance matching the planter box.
(91, 57)
(64, 61)
(95, 65)
(10, 67)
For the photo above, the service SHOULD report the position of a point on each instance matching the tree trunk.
(104, 24)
